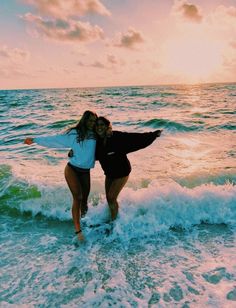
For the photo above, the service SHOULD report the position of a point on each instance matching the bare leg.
(85, 185)
(113, 188)
(76, 190)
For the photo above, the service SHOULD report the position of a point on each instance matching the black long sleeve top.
(112, 154)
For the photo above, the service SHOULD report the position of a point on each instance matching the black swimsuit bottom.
(78, 170)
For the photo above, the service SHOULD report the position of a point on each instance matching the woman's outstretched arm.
(54, 141)
(131, 142)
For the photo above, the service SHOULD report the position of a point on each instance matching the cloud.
(68, 71)
(129, 39)
(111, 62)
(230, 66)
(188, 11)
(233, 44)
(95, 64)
(79, 51)
(112, 59)
(65, 30)
(14, 54)
(68, 8)
(224, 12)
(231, 11)
(222, 21)
(80, 63)
(98, 64)
(9, 72)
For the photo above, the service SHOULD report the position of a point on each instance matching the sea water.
(173, 243)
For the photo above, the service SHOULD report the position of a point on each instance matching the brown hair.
(80, 127)
(109, 128)
(105, 121)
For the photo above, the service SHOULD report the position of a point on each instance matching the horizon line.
(122, 86)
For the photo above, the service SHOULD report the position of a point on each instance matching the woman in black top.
(111, 150)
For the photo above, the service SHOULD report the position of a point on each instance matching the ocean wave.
(61, 124)
(141, 92)
(151, 94)
(171, 125)
(195, 180)
(188, 126)
(225, 127)
(147, 210)
(112, 92)
(25, 126)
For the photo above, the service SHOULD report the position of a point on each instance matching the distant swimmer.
(82, 140)
(111, 150)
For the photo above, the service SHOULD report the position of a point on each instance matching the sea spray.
(150, 209)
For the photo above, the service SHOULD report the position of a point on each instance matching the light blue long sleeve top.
(83, 151)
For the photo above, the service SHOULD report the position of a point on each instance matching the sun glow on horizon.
(195, 59)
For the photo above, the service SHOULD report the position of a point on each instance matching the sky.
(99, 43)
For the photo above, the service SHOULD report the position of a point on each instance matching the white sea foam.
(146, 210)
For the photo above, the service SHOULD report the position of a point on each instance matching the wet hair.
(105, 121)
(80, 127)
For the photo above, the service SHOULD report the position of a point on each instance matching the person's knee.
(78, 198)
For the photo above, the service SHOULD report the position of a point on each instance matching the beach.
(173, 243)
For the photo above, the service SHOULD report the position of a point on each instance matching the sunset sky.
(89, 43)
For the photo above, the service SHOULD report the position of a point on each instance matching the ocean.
(173, 243)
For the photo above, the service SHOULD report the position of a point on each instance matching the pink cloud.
(223, 22)
(9, 71)
(233, 44)
(230, 65)
(231, 11)
(114, 61)
(80, 63)
(66, 8)
(98, 64)
(224, 12)
(188, 11)
(65, 30)
(14, 54)
(109, 63)
(111, 59)
(129, 39)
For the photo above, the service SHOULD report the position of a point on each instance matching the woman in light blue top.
(81, 139)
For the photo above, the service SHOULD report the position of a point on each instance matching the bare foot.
(80, 237)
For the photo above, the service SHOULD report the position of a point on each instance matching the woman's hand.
(158, 132)
(70, 153)
(29, 141)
